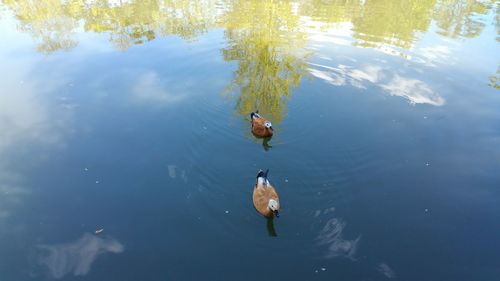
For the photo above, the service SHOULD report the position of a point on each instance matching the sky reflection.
(331, 236)
(150, 90)
(28, 121)
(106, 107)
(271, 42)
(76, 257)
(414, 90)
(386, 270)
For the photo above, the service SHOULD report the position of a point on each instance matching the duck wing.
(261, 196)
(261, 201)
(258, 126)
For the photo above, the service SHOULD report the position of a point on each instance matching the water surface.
(133, 117)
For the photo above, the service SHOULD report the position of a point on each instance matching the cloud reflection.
(343, 74)
(23, 116)
(27, 122)
(414, 90)
(386, 270)
(431, 56)
(11, 194)
(77, 257)
(331, 236)
(149, 89)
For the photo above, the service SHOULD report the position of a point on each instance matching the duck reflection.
(270, 227)
(265, 143)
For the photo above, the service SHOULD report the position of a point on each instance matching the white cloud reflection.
(386, 270)
(11, 194)
(343, 74)
(331, 236)
(23, 116)
(150, 89)
(27, 121)
(414, 90)
(431, 56)
(77, 257)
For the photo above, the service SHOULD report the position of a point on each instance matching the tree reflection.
(265, 38)
(53, 22)
(47, 21)
(266, 41)
(497, 19)
(330, 12)
(495, 80)
(387, 22)
(461, 18)
(136, 22)
(375, 22)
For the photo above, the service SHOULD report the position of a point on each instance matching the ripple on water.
(222, 202)
(217, 194)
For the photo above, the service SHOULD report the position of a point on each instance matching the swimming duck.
(265, 198)
(261, 127)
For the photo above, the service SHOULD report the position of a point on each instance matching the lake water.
(132, 117)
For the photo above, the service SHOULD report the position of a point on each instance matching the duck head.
(274, 206)
(269, 126)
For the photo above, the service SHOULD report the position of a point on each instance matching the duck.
(261, 127)
(265, 197)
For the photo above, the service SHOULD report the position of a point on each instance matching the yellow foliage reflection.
(46, 21)
(392, 23)
(266, 41)
(266, 38)
(127, 22)
(495, 80)
(53, 22)
(460, 18)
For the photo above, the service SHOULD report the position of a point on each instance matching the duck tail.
(263, 174)
(256, 114)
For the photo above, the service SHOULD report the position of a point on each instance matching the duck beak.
(277, 214)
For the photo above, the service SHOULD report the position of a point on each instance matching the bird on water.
(261, 127)
(265, 197)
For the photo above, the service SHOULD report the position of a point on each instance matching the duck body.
(265, 197)
(261, 127)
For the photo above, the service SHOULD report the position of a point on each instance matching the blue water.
(132, 119)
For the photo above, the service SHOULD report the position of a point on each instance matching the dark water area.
(126, 151)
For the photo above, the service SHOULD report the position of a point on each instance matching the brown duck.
(261, 127)
(265, 198)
